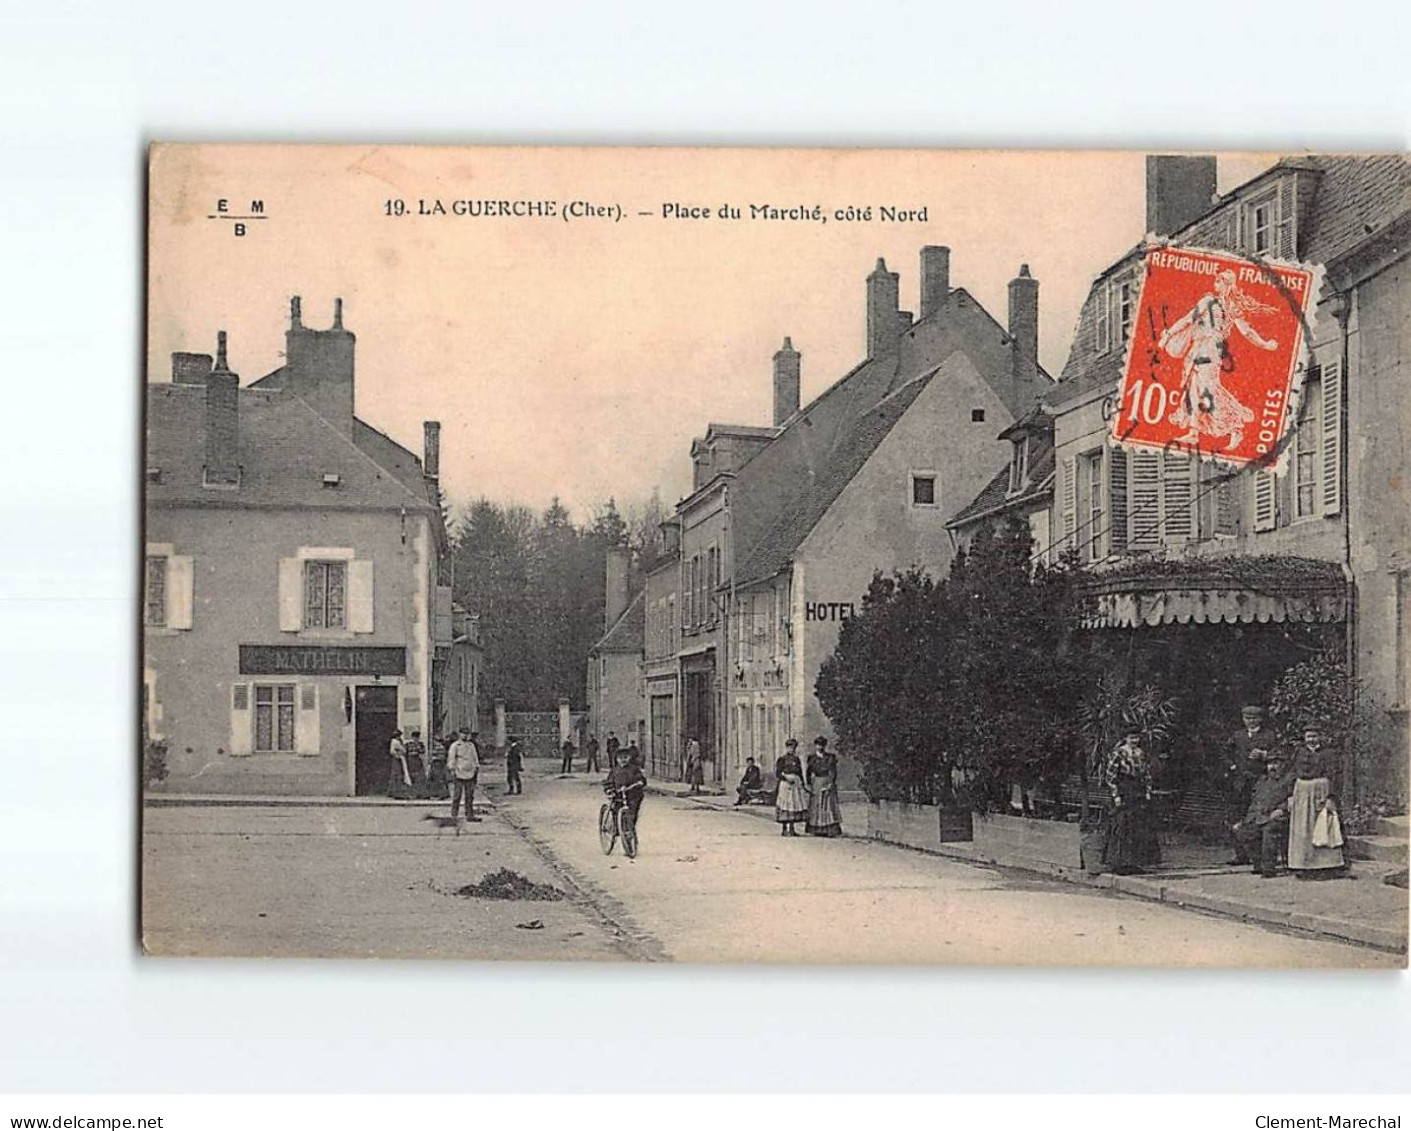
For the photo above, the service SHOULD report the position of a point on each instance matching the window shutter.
(1102, 321)
(360, 595)
(1145, 507)
(240, 729)
(1286, 235)
(180, 586)
(1331, 453)
(1070, 502)
(1176, 496)
(306, 720)
(291, 594)
(1117, 500)
(1266, 511)
(1241, 227)
(1226, 507)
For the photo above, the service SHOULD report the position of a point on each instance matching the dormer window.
(1019, 465)
(1125, 300)
(332, 479)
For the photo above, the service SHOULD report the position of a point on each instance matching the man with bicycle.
(629, 783)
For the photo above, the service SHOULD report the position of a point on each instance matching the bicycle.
(615, 822)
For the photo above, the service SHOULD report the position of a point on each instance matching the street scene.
(594, 572)
(711, 883)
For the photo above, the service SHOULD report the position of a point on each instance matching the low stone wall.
(1002, 838)
(896, 822)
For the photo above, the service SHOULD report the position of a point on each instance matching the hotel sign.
(321, 659)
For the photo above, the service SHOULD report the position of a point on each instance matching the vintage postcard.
(789, 556)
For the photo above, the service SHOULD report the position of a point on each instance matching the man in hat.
(1249, 751)
(463, 766)
(1262, 834)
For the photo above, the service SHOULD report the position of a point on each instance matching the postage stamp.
(1215, 355)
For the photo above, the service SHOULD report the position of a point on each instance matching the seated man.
(1264, 830)
(631, 782)
(751, 785)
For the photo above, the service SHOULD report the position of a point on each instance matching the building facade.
(616, 704)
(291, 577)
(660, 663)
(1318, 540)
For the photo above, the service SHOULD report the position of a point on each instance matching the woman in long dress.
(791, 804)
(821, 776)
(1201, 341)
(1313, 795)
(1131, 826)
(695, 775)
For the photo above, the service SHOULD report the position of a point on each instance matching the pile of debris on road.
(507, 884)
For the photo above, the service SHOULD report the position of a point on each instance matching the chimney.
(883, 311)
(615, 597)
(786, 382)
(431, 449)
(935, 279)
(1024, 329)
(190, 368)
(222, 422)
(1178, 191)
(319, 366)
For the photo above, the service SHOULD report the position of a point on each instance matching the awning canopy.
(1229, 590)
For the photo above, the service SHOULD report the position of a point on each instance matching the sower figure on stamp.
(1262, 834)
(463, 765)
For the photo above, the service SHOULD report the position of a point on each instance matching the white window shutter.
(1331, 450)
(1177, 495)
(360, 595)
(1070, 501)
(291, 594)
(306, 719)
(1266, 511)
(180, 591)
(241, 727)
(1286, 238)
(1145, 508)
(1117, 500)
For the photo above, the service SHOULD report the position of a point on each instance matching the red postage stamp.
(1213, 352)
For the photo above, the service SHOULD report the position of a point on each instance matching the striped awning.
(1252, 590)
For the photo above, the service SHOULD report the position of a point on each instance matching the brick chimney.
(190, 368)
(1178, 191)
(883, 311)
(319, 366)
(431, 449)
(1024, 329)
(787, 364)
(935, 279)
(615, 596)
(222, 422)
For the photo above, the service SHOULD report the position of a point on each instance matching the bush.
(966, 680)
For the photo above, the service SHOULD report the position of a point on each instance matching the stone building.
(615, 701)
(293, 606)
(787, 524)
(1232, 568)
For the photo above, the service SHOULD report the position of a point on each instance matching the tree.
(969, 680)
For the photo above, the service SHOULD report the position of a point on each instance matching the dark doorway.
(700, 715)
(376, 719)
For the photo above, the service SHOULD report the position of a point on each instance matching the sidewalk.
(1361, 909)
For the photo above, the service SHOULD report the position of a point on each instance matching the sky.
(577, 356)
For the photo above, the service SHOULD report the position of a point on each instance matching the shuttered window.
(1145, 518)
(155, 598)
(1266, 503)
(1286, 235)
(1070, 502)
(1102, 321)
(1091, 498)
(1307, 462)
(1331, 429)
(1177, 498)
(1117, 499)
(325, 594)
(274, 718)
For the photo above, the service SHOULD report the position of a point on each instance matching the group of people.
(446, 771)
(591, 749)
(806, 794)
(1283, 806)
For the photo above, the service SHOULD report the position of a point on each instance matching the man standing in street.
(567, 756)
(613, 747)
(1249, 751)
(514, 766)
(463, 766)
(591, 749)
